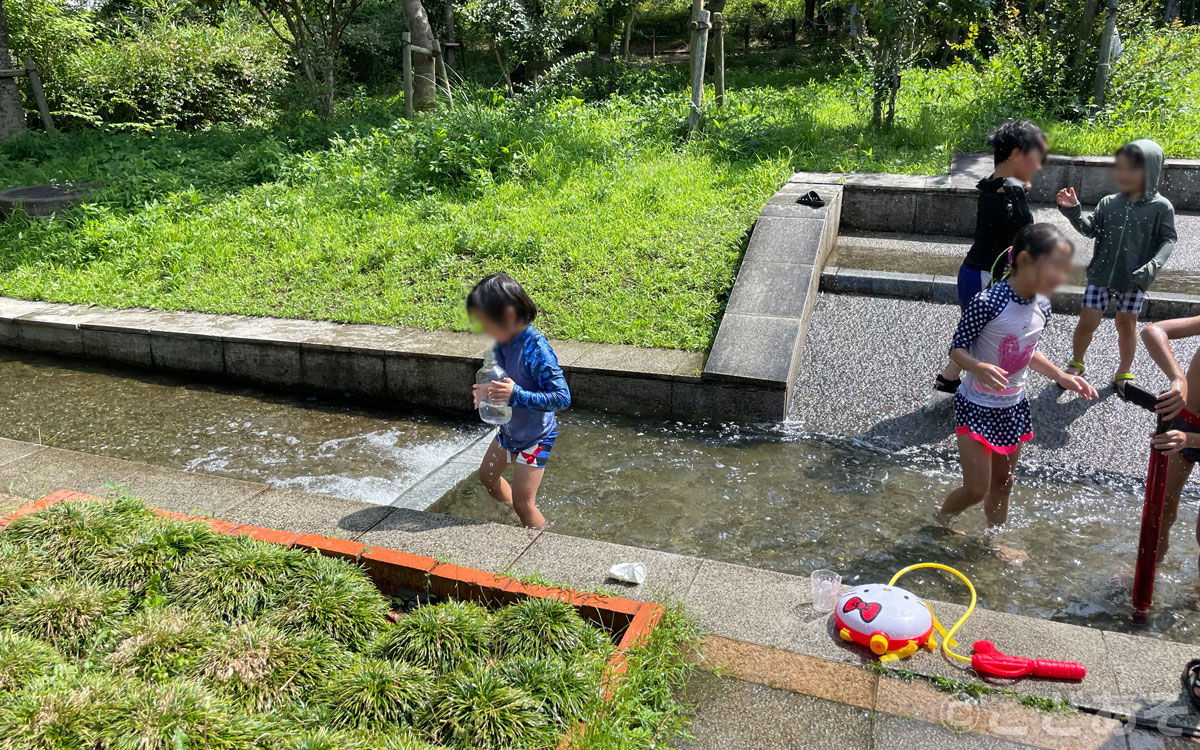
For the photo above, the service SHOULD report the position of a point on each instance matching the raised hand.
(1067, 198)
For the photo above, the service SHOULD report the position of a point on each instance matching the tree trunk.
(12, 112)
(1087, 27)
(424, 85)
(810, 13)
(625, 40)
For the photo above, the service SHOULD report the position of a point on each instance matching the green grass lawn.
(622, 228)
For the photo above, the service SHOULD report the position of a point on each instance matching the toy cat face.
(891, 610)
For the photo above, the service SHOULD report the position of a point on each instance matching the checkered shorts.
(1127, 302)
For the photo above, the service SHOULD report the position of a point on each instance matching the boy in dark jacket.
(1134, 231)
(1020, 150)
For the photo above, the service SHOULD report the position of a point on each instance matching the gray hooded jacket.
(1133, 238)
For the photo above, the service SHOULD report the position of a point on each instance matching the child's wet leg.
(1089, 321)
(491, 473)
(1178, 471)
(526, 480)
(1004, 468)
(995, 507)
(977, 477)
(1126, 340)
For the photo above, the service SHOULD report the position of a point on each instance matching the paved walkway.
(903, 343)
(786, 642)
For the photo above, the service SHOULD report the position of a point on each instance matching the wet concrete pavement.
(867, 370)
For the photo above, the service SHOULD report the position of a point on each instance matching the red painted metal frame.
(392, 570)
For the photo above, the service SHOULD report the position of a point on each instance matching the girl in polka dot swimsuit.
(996, 345)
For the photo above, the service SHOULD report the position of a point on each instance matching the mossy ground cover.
(120, 629)
(624, 228)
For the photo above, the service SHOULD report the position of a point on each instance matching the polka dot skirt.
(1001, 429)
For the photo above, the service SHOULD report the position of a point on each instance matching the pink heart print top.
(1001, 328)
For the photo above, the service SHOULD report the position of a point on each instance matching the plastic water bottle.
(492, 412)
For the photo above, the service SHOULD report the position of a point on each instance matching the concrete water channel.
(848, 482)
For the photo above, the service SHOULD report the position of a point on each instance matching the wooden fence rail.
(30, 71)
(441, 79)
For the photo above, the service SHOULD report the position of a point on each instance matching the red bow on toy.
(867, 611)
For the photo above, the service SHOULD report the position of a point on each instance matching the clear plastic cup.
(826, 585)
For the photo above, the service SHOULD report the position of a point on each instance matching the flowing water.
(310, 444)
(792, 502)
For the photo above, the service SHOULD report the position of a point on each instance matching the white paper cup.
(826, 585)
(632, 572)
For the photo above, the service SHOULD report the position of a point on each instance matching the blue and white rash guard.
(540, 390)
(1001, 328)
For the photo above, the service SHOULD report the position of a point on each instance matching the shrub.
(341, 739)
(74, 533)
(71, 710)
(68, 615)
(21, 567)
(377, 694)
(264, 668)
(23, 659)
(474, 707)
(539, 628)
(333, 597)
(160, 548)
(181, 715)
(161, 642)
(235, 582)
(568, 690)
(440, 637)
(182, 75)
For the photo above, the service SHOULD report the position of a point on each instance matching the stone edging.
(423, 368)
(945, 204)
(766, 319)
(944, 290)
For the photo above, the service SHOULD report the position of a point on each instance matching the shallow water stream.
(311, 444)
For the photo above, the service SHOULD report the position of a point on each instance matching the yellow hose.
(947, 635)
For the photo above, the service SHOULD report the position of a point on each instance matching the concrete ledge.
(409, 366)
(944, 290)
(1091, 176)
(766, 318)
(946, 204)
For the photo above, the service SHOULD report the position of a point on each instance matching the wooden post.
(440, 74)
(653, 43)
(39, 96)
(406, 56)
(700, 36)
(719, 57)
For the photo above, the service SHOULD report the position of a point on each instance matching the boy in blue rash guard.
(535, 388)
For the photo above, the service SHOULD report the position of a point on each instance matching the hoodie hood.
(1153, 154)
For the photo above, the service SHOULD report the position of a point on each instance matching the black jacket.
(1003, 211)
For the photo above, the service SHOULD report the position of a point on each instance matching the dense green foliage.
(164, 71)
(150, 664)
